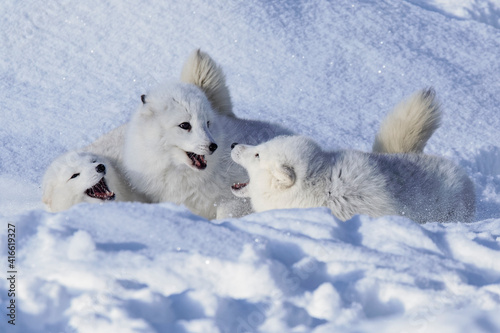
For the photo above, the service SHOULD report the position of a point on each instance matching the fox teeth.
(100, 191)
(238, 186)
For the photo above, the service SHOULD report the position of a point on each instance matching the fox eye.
(75, 175)
(257, 155)
(208, 123)
(185, 126)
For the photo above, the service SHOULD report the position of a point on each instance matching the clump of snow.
(70, 72)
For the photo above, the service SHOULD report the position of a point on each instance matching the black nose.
(100, 168)
(233, 145)
(212, 147)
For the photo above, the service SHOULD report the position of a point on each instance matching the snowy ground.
(331, 70)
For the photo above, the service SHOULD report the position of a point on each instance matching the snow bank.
(70, 71)
(127, 267)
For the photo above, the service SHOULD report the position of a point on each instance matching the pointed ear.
(284, 176)
(146, 110)
(202, 71)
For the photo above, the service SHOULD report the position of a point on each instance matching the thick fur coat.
(77, 177)
(294, 172)
(177, 144)
(410, 125)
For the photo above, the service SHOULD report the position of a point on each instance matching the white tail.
(410, 125)
(201, 70)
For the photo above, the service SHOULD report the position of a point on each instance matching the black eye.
(185, 126)
(208, 123)
(257, 155)
(75, 175)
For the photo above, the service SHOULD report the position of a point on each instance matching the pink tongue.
(199, 161)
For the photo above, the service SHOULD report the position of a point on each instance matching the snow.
(481, 11)
(71, 71)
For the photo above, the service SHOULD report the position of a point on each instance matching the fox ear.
(146, 110)
(284, 176)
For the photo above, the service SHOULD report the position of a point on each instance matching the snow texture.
(71, 71)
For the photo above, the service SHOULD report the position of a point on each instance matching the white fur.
(294, 172)
(155, 150)
(410, 125)
(110, 145)
(200, 70)
(61, 190)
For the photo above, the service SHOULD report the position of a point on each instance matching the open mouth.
(239, 186)
(100, 191)
(199, 161)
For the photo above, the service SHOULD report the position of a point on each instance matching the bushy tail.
(201, 70)
(410, 125)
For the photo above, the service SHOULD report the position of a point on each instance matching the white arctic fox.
(82, 177)
(294, 172)
(178, 143)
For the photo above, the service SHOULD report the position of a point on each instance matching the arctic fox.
(82, 177)
(177, 144)
(294, 172)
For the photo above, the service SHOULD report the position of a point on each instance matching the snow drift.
(70, 72)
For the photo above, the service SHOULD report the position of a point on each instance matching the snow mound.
(71, 71)
(168, 270)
